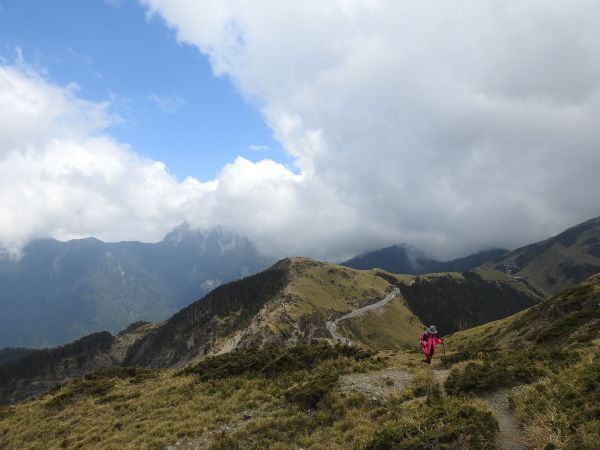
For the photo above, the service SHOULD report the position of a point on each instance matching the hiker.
(429, 342)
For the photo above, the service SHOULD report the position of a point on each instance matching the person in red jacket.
(429, 342)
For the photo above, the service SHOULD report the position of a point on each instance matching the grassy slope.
(224, 410)
(392, 326)
(554, 264)
(547, 269)
(287, 304)
(330, 289)
(567, 317)
(555, 345)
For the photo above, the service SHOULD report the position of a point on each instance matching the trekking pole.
(444, 349)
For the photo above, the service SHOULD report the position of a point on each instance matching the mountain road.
(332, 324)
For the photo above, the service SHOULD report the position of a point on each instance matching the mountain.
(60, 291)
(554, 264)
(454, 303)
(291, 303)
(347, 397)
(40, 370)
(401, 258)
(285, 305)
(9, 355)
(405, 258)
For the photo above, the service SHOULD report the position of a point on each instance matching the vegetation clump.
(494, 370)
(479, 376)
(308, 393)
(563, 410)
(271, 361)
(440, 423)
(97, 384)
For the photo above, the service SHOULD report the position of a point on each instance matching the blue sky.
(173, 108)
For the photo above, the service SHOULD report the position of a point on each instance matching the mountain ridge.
(405, 258)
(555, 263)
(59, 291)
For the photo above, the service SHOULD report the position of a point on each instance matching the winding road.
(332, 324)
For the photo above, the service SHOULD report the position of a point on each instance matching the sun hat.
(432, 329)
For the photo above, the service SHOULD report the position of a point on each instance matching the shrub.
(271, 362)
(504, 369)
(440, 423)
(568, 404)
(133, 374)
(79, 389)
(308, 393)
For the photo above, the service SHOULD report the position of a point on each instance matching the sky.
(171, 106)
(320, 128)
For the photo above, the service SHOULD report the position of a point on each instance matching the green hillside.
(324, 396)
(554, 350)
(284, 305)
(277, 398)
(556, 263)
(457, 302)
(392, 326)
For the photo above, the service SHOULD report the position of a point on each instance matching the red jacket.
(429, 343)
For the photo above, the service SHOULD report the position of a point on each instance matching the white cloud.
(451, 126)
(62, 176)
(258, 148)
(167, 104)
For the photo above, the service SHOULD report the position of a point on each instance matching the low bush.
(308, 393)
(97, 384)
(563, 410)
(79, 389)
(499, 369)
(438, 423)
(271, 362)
(133, 374)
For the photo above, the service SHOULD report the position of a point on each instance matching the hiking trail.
(510, 435)
(332, 324)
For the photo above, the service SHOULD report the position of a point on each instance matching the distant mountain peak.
(406, 258)
(181, 233)
(85, 285)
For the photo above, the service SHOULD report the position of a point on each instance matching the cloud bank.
(451, 126)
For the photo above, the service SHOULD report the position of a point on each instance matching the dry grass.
(155, 412)
(392, 326)
(562, 410)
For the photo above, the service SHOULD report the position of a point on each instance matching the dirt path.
(510, 436)
(331, 325)
(440, 375)
(376, 385)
